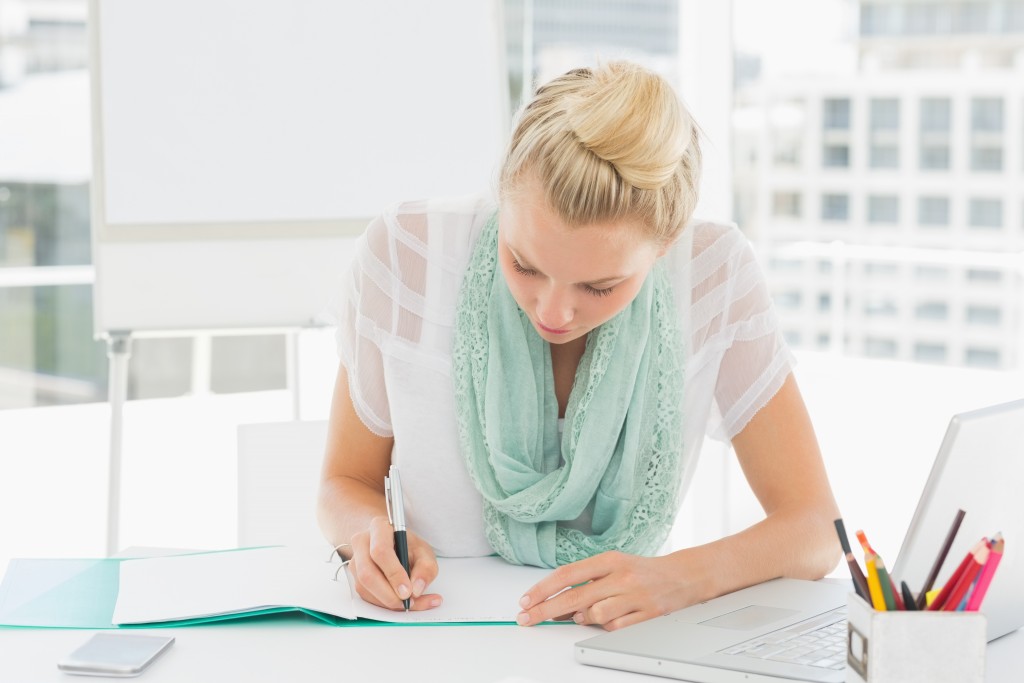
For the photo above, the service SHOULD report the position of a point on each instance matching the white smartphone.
(114, 654)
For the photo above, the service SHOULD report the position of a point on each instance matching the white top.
(396, 314)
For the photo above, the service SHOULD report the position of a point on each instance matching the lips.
(551, 331)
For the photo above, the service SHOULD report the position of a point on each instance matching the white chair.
(278, 475)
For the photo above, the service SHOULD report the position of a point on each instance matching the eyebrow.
(602, 281)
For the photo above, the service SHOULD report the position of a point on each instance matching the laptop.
(788, 629)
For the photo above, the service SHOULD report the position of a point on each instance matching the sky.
(797, 36)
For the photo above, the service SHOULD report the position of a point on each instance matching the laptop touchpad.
(750, 617)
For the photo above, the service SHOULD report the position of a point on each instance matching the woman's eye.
(522, 271)
(598, 292)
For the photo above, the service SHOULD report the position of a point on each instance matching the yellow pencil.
(874, 583)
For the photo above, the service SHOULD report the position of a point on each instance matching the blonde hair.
(606, 144)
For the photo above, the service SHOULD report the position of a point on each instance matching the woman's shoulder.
(710, 249)
(442, 230)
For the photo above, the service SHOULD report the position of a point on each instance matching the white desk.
(295, 648)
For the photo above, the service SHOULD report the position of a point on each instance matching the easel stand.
(119, 345)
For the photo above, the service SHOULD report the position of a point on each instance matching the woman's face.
(569, 281)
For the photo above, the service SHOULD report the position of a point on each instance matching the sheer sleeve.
(395, 307)
(735, 327)
(362, 311)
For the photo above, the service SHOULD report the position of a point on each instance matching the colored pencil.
(874, 584)
(894, 592)
(940, 559)
(940, 599)
(860, 583)
(886, 584)
(978, 560)
(908, 597)
(978, 594)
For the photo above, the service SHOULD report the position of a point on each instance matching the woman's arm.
(780, 458)
(351, 509)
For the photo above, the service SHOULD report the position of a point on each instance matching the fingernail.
(436, 602)
(524, 601)
(417, 587)
(578, 617)
(523, 619)
(403, 591)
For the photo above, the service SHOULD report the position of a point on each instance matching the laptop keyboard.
(819, 642)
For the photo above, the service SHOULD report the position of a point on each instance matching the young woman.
(543, 373)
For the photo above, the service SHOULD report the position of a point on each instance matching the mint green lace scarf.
(621, 446)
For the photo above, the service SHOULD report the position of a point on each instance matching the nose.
(555, 308)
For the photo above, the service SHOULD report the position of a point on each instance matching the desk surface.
(294, 647)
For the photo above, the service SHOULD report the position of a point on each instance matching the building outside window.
(835, 207)
(933, 212)
(884, 209)
(985, 213)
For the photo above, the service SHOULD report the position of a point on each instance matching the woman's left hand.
(612, 590)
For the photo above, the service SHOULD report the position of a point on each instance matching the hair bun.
(632, 119)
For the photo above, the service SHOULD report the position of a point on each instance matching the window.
(925, 18)
(934, 157)
(881, 270)
(987, 115)
(985, 213)
(835, 207)
(790, 300)
(986, 158)
(933, 211)
(884, 156)
(883, 209)
(936, 115)
(836, 113)
(881, 307)
(982, 276)
(932, 310)
(880, 348)
(931, 273)
(930, 353)
(982, 357)
(835, 156)
(990, 316)
(786, 205)
(793, 337)
(971, 17)
(885, 114)
(786, 149)
(824, 302)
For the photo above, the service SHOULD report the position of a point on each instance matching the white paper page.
(472, 588)
(208, 584)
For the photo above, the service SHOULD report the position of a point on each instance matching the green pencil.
(883, 578)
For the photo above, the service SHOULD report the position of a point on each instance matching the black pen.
(396, 515)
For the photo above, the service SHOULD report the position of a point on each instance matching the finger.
(423, 568)
(382, 552)
(561, 578)
(571, 601)
(425, 602)
(371, 584)
(363, 585)
(603, 612)
(628, 620)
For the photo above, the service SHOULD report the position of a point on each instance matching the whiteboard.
(241, 145)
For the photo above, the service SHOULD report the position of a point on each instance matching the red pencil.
(964, 584)
(940, 599)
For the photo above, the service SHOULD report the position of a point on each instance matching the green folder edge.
(108, 570)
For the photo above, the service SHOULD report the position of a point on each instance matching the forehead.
(536, 234)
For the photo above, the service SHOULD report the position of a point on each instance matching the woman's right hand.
(380, 578)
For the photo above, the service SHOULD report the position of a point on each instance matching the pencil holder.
(913, 647)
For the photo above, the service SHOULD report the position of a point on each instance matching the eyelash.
(518, 267)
